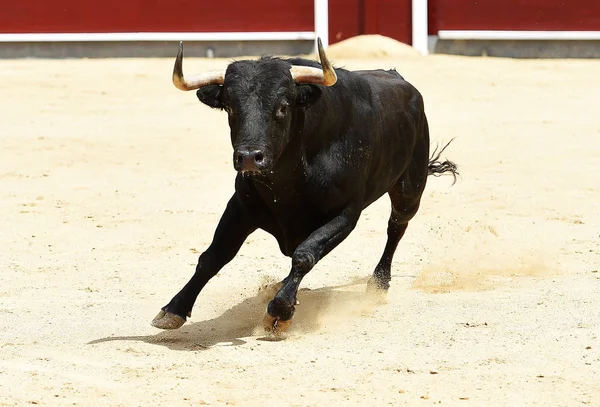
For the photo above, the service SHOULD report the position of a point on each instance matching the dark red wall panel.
(69, 16)
(525, 15)
(433, 19)
(345, 19)
(348, 18)
(391, 18)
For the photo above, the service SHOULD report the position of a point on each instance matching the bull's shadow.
(317, 308)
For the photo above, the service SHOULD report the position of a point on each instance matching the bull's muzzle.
(249, 161)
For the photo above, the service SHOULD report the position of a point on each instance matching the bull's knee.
(303, 261)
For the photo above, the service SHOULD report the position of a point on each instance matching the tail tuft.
(437, 167)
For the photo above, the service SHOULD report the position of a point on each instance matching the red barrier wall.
(77, 16)
(515, 15)
(347, 18)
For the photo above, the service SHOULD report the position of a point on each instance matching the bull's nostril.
(258, 158)
(239, 159)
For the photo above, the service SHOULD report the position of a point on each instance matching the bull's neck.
(304, 144)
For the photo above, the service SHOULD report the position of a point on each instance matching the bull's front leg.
(281, 309)
(234, 227)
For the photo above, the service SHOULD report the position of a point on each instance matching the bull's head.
(261, 98)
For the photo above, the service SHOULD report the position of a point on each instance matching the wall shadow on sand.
(318, 308)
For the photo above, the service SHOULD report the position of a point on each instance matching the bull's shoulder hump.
(380, 73)
(385, 80)
(389, 85)
(303, 62)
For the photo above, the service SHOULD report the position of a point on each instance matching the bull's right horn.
(196, 81)
(316, 76)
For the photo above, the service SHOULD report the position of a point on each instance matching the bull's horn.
(308, 74)
(196, 81)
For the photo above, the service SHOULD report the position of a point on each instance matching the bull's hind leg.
(405, 197)
(383, 272)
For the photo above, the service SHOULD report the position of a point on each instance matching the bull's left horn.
(196, 81)
(308, 74)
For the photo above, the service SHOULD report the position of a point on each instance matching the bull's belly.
(292, 224)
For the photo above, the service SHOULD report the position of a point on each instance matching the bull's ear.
(307, 95)
(211, 96)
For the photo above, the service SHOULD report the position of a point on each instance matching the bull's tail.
(437, 167)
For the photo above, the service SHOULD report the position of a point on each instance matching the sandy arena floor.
(112, 183)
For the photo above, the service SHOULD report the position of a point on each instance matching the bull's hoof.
(377, 286)
(377, 290)
(276, 326)
(167, 320)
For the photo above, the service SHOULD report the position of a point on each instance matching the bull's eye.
(282, 111)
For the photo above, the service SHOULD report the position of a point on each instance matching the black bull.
(311, 154)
